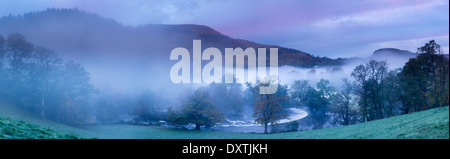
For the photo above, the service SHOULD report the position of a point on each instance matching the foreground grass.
(12, 112)
(13, 129)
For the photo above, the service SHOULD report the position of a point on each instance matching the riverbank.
(249, 126)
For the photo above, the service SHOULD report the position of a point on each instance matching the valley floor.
(429, 124)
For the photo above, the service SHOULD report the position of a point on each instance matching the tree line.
(38, 80)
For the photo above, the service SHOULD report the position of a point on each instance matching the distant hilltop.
(393, 52)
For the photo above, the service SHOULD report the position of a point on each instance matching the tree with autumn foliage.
(269, 108)
(316, 100)
(198, 109)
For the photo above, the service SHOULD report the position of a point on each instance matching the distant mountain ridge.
(70, 31)
(393, 51)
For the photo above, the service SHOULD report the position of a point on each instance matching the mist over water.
(129, 80)
(128, 64)
(125, 79)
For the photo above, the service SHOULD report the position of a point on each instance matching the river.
(249, 126)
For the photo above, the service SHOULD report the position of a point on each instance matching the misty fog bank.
(129, 68)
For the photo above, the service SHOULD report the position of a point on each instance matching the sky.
(332, 28)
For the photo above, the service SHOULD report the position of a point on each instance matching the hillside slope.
(429, 124)
(24, 120)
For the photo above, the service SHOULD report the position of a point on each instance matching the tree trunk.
(197, 126)
(365, 109)
(265, 128)
(442, 87)
(43, 108)
(43, 113)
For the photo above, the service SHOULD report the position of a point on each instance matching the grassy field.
(430, 124)
(14, 113)
(13, 129)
